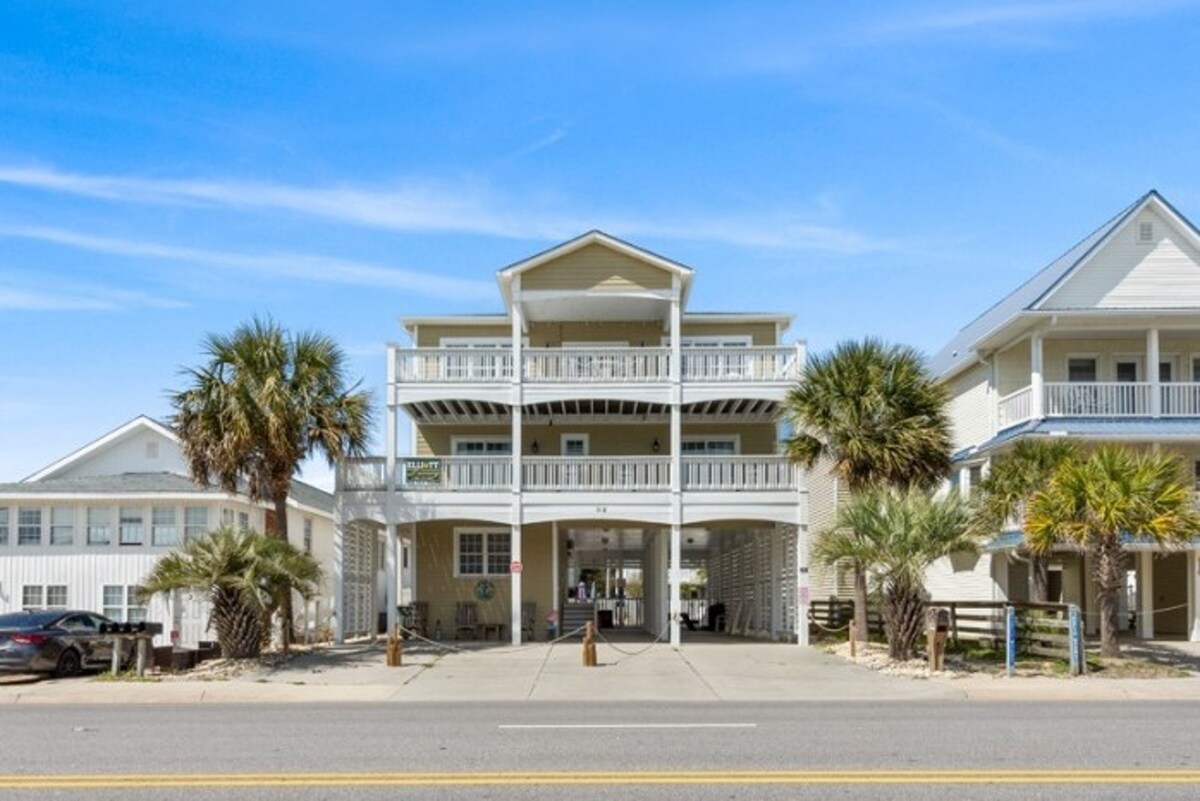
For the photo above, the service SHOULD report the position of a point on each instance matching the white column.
(1145, 619)
(515, 578)
(518, 404)
(338, 602)
(1152, 360)
(1036, 381)
(1193, 567)
(803, 586)
(555, 586)
(392, 561)
(673, 572)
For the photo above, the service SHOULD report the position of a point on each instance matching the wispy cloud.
(36, 294)
(424, 207)
(296, 266)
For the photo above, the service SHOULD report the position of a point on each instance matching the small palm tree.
(1012, 480)
(263, 403)
(871, 410)
(897, 535)
(1093, 503)
(244, 575)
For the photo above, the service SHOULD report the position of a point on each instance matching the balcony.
(765, 473)
(596, 365)
(1102, 399)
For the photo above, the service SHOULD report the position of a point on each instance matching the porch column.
(1152, 360)
(555, 585)
(392, 560)
(673, 572)
(1036, 381)
(515, 578)
(803, 585)
(518, 516)
(1193, 567)
(337, 602)
(1145, 618)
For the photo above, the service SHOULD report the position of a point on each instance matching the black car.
(62, 642)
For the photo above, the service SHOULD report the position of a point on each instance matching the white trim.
(1095, 357)
(1137, 359)
(714, 341)
(474, 342)
(736, 439)
(600, 343)
(139, 422)
(488, 438)
(562, 444)
(487, 531)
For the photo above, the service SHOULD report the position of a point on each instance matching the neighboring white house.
(84, 531)
(596, 427)
(1103, 345)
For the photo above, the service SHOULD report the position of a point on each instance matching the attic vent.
(1145, 234)
(152, 450)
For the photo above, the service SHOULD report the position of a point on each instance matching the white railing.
(596, 473)
(363, 474)
(1015, 407)
(453, 365)
(1180, 399)
(596, 365)
(740, 364)
(738, 473)
(473, 473)
(1097, 399)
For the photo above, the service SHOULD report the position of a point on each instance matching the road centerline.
(627, 726)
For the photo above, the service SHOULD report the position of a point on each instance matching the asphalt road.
(700, 751)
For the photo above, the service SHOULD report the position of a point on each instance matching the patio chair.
(466, 618)
(529, 619)
(419, 622)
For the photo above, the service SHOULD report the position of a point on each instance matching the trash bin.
(716, 615)
(604, 618)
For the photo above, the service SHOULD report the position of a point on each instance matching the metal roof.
(1150, 429)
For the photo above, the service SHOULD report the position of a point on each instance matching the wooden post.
(589, 645)
(143, 644)
(118, 641)
(395, 657)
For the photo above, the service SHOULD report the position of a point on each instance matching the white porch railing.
(364, 474)
(1015, 407)
(596, 365)
(738, 473)
(596, 473)
(466, 473)
(1097, 399)
(453, 365)
(740, 364)
(1180, 399)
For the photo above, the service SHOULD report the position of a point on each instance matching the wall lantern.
(655, 446)
(534, 447)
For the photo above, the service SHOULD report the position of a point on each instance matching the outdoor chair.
(466, 618)
(528, 619)
(419, 622)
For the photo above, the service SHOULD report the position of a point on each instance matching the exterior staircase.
(575, 615)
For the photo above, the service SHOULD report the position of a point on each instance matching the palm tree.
(243, 574)
(870, 409)
(1013, 479)
(263, 403)
(897, 535)
(1094, 503)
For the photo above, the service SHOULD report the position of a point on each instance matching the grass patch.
(127, 675)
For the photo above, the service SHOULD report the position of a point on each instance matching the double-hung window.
(482, 552)
(163, 527)
(308, 535)
(3, 525)
(99, 525)
(121, 603)
(62, 525)
(130, 527)
(195, 522)
(29, 526)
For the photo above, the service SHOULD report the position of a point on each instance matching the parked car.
(62, 642)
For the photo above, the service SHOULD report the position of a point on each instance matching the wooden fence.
(835, 615)
(1042, 629)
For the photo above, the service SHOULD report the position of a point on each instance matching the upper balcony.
(606, 366)
(1101, 399)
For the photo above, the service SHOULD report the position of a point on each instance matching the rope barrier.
(491, 652)
(817, 623)
(653, 643)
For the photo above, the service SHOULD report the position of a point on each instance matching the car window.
(98, 621)
(78, 623)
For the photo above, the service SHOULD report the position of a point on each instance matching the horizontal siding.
(763, 334)
(966, 578)
(970, 407)
(1126, 274)
(430, 336)
(1013, 368)
(635, 334)
(603, 440)
(596, 267)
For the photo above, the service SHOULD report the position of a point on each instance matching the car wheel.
(68, 663)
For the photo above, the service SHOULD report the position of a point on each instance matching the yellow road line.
(778, 777)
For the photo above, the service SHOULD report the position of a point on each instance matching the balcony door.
(481, 358)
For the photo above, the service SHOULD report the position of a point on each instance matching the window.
(163, 530)
(308, 535)
(1081, 369)
(56, 596)
(99, 519)
(3, 525)
(130, 526)
(574, 444)
(1196, 474)
(227, 518)
(122, 604)
(711, 445)
(1127, 372)
(481, 446)
(29, 527)
(32, 597)
(62, 525)
(195, 522)
(482, 553)
(243, 521)
(974, 477)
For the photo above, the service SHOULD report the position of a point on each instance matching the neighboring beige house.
(595, 431)
(83, 532)
(1102, 345)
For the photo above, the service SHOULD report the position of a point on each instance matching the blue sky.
(168, 170)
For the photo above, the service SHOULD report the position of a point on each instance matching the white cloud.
(428, 207)
(36, 295)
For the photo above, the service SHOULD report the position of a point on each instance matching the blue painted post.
(1010, 640)
(1076, 636)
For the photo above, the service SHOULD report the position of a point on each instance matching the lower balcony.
(759, 473)
(1102, 399)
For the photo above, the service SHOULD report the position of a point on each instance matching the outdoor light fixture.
(656, 447)
(534, 447)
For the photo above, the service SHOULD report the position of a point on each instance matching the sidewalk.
(711, 671)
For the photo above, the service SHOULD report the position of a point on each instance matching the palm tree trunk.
(1109, 575)
(1039, 566)
(239, 629)
(903, 619)
(860, 627)
(279, 494)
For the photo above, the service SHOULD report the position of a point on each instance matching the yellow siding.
(438, 586)
(970, 407)
(596, 267)
(822, 510)
(1013, 369)
(603, 440)
(636, 334)
(763, 333)
(430, 336)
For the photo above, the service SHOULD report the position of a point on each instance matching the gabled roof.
(959, 352)
(141, 422)
(593, 237)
